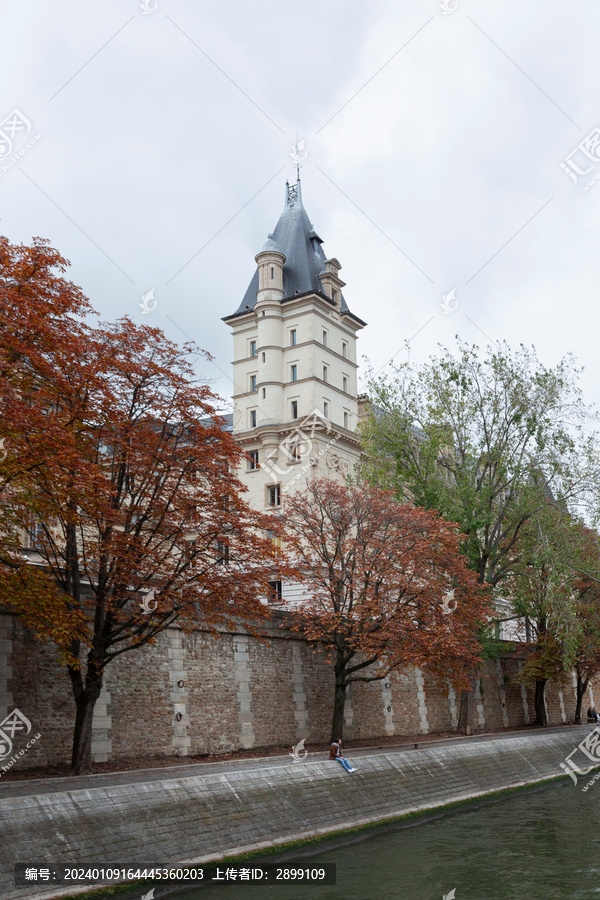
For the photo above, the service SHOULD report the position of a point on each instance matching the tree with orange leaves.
(122, 461)
(41, 332)
(376, 574)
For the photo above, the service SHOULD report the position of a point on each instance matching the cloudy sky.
(151, 146)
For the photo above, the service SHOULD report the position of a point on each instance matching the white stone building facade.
(295, 369)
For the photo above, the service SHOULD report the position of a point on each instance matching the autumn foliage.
(376, 573)
(119, 463)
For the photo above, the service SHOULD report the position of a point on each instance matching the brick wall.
(196, 694)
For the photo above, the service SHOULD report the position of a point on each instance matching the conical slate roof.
(296, 238)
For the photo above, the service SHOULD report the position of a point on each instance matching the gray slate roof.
(295, 237)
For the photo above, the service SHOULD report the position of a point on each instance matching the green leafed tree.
(555, 589)
(484, 439)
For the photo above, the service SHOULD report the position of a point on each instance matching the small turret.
(270, 262)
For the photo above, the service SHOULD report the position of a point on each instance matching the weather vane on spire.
(298, 153)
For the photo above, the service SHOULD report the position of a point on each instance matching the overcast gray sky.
(434, 141)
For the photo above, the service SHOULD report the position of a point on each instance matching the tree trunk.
(582, 687)
(339, 703)
(540, 707)
(85, 701)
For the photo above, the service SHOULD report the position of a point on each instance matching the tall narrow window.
(264, 357)
(264, 393)
(35, 535)
(294, 406)
(252, 348)
(222, 554)
(274, 495)
(294, 371)
(325, 373)
(344, 349)
(275, 540)
(345, 384)
(272, 272)
(293, 337)
(324, 340)
(252, 418)
(253, 382)
(253, 460)
(276, 591)
(325, 408)
(346, 422)
(333, 295)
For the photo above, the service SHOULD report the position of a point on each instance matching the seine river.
(540, 844)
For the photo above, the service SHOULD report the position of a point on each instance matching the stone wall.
(194, 694)
(212, 813)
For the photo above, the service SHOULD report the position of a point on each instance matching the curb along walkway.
(34, 787)
(203, 812)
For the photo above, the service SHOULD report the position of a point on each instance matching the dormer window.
(334, 295)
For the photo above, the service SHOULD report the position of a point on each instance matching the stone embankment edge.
(212, 816)
(274, 851)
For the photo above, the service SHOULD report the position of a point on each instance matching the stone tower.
(295, 386)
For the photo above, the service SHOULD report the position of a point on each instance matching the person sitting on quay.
(592, 715)
(335, 752)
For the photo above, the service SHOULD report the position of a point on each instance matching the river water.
(540, 844)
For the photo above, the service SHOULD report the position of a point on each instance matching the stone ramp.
(206, 816)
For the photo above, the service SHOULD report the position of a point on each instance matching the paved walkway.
(38, 786)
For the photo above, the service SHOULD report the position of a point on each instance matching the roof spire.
(295, 238)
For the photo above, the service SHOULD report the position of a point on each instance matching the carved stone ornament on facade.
(334, 461)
